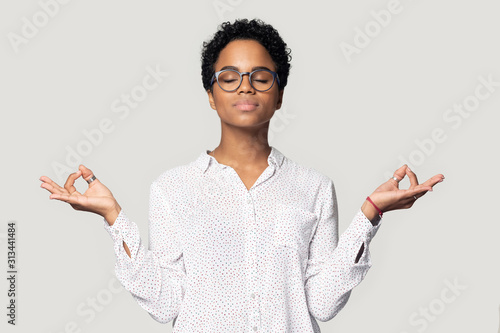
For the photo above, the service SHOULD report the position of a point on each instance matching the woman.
(242, 239)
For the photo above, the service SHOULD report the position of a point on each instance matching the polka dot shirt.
(224, 258)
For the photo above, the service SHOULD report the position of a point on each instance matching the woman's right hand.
(97, 198)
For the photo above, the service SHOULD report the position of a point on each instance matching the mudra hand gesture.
(97, 198)
(389, 196)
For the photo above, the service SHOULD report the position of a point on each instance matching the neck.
(243, 148)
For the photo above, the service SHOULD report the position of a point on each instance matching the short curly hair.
(243, 29)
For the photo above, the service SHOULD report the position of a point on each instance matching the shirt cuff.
(367, 226)
(123, 230)
(366, 231)
(117, 229)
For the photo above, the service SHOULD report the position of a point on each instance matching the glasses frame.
(216, 78)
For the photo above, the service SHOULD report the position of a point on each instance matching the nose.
(245, 85)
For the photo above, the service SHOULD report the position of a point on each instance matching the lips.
(246, 105)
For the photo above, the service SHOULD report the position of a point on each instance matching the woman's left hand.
(389, 196)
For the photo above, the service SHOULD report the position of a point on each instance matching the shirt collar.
(275, 158)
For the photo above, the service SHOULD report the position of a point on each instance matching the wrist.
(370, 212)
(111, 215)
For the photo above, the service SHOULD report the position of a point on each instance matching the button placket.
(252, 264)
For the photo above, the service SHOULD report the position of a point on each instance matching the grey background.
(350, 120)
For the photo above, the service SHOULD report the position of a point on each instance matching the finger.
(413, 178)
(69, 185)
(51, 188)
(47, 181)
(434, 180)
(71, 199)
(399, 174)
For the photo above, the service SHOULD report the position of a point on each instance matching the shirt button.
(253, 295)
(249, 200)
(255, 328)
(117, 232)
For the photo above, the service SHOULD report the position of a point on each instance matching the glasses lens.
(229, 80)
(262, 80)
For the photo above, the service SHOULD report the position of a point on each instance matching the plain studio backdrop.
(373, 85)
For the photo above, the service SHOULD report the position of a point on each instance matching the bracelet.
(379, 211)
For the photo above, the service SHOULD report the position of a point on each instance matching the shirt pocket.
(294, 228)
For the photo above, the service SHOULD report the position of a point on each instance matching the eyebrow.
(237, 69)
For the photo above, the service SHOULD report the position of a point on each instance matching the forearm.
(332, 276)
(154, 276)
(111, 218)
(126, 249)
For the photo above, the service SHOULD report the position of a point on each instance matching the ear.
(211, 99)
(280, 99)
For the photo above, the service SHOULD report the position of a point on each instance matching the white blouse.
(223, 258)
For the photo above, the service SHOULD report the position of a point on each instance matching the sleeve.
(332, 271)
(155, 277)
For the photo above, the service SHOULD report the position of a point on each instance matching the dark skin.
(243, 145)
(244, 129)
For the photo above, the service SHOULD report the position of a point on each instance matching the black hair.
(244, 29)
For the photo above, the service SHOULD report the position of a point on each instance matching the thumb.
(86, 172)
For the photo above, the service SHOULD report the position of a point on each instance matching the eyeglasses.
(261, 79)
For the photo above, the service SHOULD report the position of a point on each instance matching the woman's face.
(245, 107)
